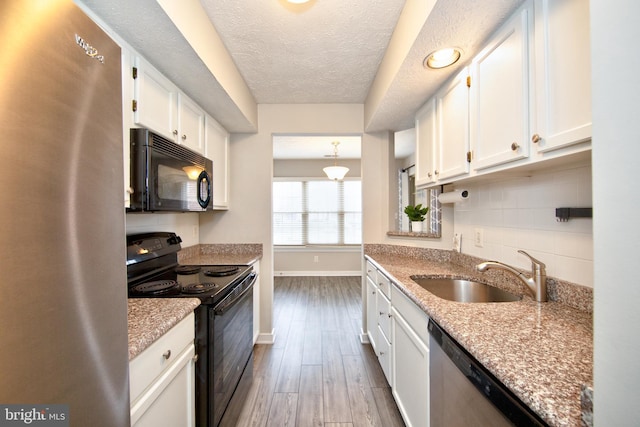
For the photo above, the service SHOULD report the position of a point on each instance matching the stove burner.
(157, 287)
(222, 270)
(198, 288)
(187, 269)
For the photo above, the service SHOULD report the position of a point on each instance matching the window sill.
(412, 234)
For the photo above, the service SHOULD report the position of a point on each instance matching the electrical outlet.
(479, 237)
(316, 258)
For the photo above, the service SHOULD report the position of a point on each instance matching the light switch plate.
(479, 237)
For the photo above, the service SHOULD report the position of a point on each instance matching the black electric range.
(223, 321)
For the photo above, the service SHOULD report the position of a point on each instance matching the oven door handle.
(225, 305)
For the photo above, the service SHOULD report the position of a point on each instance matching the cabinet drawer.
(412, 314)
(384, 284)
(371, 272)
(152, 362)
(384, 356)
(384, 315)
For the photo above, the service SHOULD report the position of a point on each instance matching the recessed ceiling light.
(442, 58)
(297, 1)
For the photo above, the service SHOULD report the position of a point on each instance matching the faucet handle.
(533, 260)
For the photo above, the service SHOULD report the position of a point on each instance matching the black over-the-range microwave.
(166, 176)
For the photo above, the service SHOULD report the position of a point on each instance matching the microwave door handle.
(204, 178)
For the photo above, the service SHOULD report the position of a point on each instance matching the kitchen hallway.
(318, 373)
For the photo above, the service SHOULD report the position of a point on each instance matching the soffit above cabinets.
(333, 52)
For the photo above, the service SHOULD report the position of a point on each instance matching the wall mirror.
(404, 153)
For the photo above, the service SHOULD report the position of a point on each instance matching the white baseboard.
(364, 338)
(317, 273)
(267, 338)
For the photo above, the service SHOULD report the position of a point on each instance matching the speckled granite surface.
(221, 254)
(150, 318)
(542, 352)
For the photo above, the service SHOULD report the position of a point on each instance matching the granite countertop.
(543, 352)
(221, 254)
(150, 318)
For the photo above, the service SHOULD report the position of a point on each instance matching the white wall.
(249, 217)
(519, 213)
(615, 89)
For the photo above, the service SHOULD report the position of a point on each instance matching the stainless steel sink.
(461, 290)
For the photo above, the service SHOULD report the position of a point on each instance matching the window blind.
(317, 212)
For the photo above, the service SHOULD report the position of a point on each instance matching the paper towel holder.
(453, 196)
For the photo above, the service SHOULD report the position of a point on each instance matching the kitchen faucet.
(537, 283)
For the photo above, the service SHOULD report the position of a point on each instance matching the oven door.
(167, 176)
(232, 346)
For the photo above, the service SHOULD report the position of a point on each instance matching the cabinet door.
(156, 99)
(372, 313)
(217, 149)
(563, 73)
(452, 113)
(171, 400)
(191, 124)
(500, 103)
(410, 386)
(426, 144)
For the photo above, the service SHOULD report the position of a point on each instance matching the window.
(317, 212)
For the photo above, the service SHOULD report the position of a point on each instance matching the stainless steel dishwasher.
(463, 393)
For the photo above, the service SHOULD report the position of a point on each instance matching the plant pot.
(416, 226)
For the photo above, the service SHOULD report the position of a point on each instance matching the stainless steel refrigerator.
(63, 298)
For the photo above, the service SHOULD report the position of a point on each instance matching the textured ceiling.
(329, 51)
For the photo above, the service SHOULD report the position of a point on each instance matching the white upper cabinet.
(426, 152)
(217, 149)
(155, 100)
(563, 74)
(500, 102)
(452, 112)
(190, 128)
(160, 106)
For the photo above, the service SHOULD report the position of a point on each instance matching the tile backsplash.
(519, 213)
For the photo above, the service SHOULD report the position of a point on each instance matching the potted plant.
(416, 215)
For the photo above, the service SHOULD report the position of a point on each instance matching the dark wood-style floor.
(318, 373)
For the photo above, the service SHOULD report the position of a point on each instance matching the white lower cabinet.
(398, 332)
(162, 379)
(410, 387)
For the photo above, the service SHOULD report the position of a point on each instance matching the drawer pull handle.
(166, 354)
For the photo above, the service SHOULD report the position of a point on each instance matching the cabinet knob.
(373, 292)
(535, 138)
(429, 174)
(175, 132)
(436, 172)
(514, 146)
(195, 358)
(184, 137)
(166, 354)
(381, 313)
(389, 315)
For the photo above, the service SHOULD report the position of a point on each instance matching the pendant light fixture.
(335, 172)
